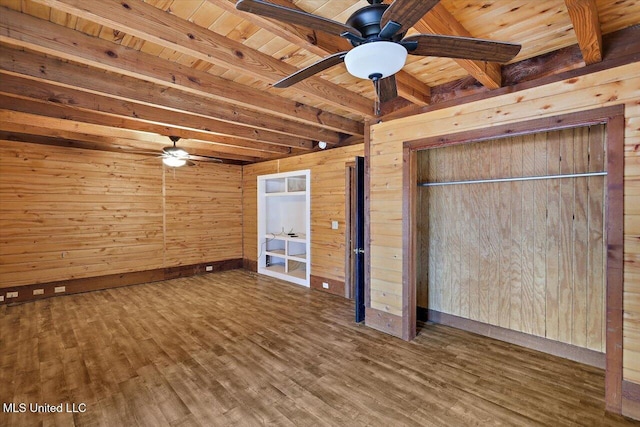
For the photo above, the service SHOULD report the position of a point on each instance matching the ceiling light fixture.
(375, 60)
(173, 156)
(174, 162)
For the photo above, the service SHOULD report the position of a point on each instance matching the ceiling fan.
(376, 33)
(174, 156)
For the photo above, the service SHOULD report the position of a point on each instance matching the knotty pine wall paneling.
(327, 204)
(613, 86)
(203, 210)
(68, 214)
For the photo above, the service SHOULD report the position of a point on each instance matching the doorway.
(354, 235)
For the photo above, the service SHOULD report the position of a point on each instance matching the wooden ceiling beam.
(109, 139)
(321, 44)
(622, 47)
(440, 21)
(584, 16)
(35, 135)
(120, 124)
(18, 29)
(145, 21)
(43, 91)
(127, 88)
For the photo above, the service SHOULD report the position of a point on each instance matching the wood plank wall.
(71, 213)
(619, 85)
(203, 207)
(526, 255)
(327, 204)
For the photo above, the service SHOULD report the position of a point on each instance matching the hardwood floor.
(234, 348)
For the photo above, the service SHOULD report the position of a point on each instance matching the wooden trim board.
(249, 264)
(409, 189)
(367, 215)
(631, 399)
(613, 117)
(335, 287)
(74, 286)
(384, 322)
(568, 351)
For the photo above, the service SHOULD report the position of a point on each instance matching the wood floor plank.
(236, 348)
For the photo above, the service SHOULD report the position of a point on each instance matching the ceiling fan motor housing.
(367, 21)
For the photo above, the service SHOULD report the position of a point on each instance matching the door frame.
(349, 233)
(613, 118)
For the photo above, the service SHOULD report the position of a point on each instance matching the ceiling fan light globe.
(174, 162)
(375, 58)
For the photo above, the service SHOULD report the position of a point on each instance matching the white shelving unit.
(284, 226)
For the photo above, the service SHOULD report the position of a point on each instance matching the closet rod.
(523, 178)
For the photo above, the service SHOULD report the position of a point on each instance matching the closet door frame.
(613, 119)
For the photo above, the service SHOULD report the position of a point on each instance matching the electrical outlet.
(59, 289)
(38, 291)
(209, 268)
(325, 285)
(334, 225)
(12, 294)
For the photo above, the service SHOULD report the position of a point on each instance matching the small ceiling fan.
(376, 33)
(174, 156)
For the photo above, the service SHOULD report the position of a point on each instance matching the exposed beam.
(131, 89)
(412, 89)
(103, 138)
(145, 21)
(321, 44)
(116, 124)
(36, 135)
(584, 16)
(440, 21)
(38, 90)
(622, 47)
(22, 30)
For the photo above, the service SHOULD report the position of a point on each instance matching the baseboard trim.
(86, 284)
(336, 287)
(568, 351)
(250, 265)
(631, 400)
(383, 322)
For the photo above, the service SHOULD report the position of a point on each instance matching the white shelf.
(286, 193)
(275, 252)
(284, 204)
(302, 238)
(298, 257)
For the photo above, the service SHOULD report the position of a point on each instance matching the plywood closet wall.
(71, 213)
(523, 255)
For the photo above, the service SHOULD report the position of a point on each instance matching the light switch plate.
(334, 225)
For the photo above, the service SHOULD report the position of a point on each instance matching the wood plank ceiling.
(123, 75)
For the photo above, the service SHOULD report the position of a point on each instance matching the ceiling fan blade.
(406, 12)
(387, 88)
(463, 47)
(316, 67)
(146, 159)
(296, 17)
